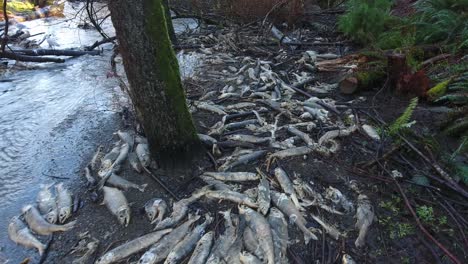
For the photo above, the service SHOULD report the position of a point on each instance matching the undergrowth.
(403, 121)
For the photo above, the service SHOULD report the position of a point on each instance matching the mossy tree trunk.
(153, 73)
(170, 26)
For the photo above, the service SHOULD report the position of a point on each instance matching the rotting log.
(155, 84)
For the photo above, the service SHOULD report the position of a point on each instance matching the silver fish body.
(232, 196)
(143, 154)
(202, 250)
(279, 228)
(224, 242)
(119, 182)
(39, 225)
(96, 158)
(233, 176)
(134, 246)
(91, 249)
(155, 210)
(288, 208)
(264, 196)
(64, 202)
(184, 247)
(47, 204)
(135, 162)
(364, 218)
(20, 234)
(161, 249)
(287, 185)
(179, 211)
(127, 138)
(247, 258)
(262, 230)
(108, 160)
(116, 202)
(251, 243)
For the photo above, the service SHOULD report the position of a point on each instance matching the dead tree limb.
(19, 57)
(54, 52)
(99, 43)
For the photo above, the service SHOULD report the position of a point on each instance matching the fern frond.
(401, 122)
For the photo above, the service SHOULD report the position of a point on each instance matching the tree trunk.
(155, 85)
(170, 26)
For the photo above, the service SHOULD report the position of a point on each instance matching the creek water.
(55, 115)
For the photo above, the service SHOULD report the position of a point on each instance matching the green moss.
(157, 29)
(438, 90)
(19, 6)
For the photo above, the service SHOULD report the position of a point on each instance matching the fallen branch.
(155, 178)
(5, 32)
(99, 43)
(19, 57)
(54, 52)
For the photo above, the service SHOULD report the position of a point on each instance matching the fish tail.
(142, 187)
(308, 235)
(68, 226)
(41, 249)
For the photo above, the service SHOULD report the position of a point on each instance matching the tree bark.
(170, 26)
(155, 85)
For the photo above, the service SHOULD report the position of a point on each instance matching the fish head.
(123, 216)
(64, 213)
(52, 217)
(147, 258)
(106, 259)
(151, 213)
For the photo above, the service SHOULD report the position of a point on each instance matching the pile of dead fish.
(48, 215)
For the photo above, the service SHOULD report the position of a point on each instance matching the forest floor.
(394, 237)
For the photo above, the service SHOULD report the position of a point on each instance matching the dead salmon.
(47, 204)
(232, 196)
(155, 210)
(135, 162)
(251, 243)
(184, 247)
(20, 234)
(96, 158)
(119, 182)
(127, 138)
(364, 218)
(116, 202)
(143, 154)
(64, 202)
(262, 231)
(247, 258)
(224, 242)
(288, 208)
(287, 185)
(202, 250)
(264, 197)
(279, 228)
(159, 251)
(41, 226)
(132, 247)
(233, 176)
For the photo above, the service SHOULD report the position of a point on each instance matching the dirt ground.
(394, 236)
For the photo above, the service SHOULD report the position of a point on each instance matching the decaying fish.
(108, 160)
(123, 154)
(249, 138)
(155, 210)
(243, 159)
(218, 185)
(202, 250)
(143, 154)
(96, 158)
(89, 177)
(224, 242)
(332, 231)
(339, 198)
(347, 259)
(116, 202)
(251, 243)
(91, 249)
(180, 210)
(159, 251)
(262, 231)
(20, 234)
(208, 140)
(127, 138)
(233, 176)
(232, 196)
(41, 226)
(264, 198)
(288, 208)
(247, 258)
(297, 151)
(364, 218)
(64, 202)
(217, 109)
(135, 162)
(371, 132)
(134, 246)
(279, 228)
(287, 185)
(47, 204)
(304, 136)
(234, 251)
(119, 182)
(336, 133)
(184, 247)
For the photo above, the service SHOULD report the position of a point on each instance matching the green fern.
(404, 119)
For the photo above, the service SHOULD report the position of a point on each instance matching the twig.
(99, 43)
(162, 184)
